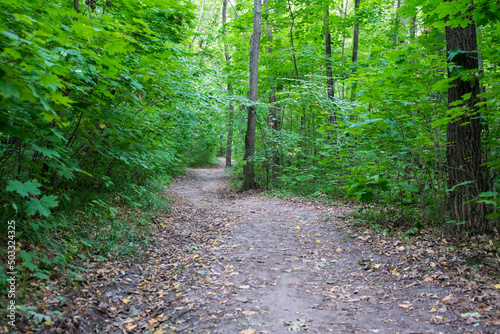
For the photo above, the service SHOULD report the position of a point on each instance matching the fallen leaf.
(297, 227)
(432, 310)
(248, 312)
(248, 331)
(244, 287)
(126, 301)
(405, 306)
(376, 266)
(497, 286)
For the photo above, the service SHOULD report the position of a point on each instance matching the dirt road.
(227, 262)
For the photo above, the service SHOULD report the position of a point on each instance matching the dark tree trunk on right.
(248, 168)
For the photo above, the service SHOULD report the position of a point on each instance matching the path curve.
(285, 267)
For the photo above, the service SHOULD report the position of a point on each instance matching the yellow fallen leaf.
(126, 301)
(376, 266)
(297, 268)
(48, 323)
(405, 306)
(297, 227)
(432, 310)
(131, 327)
(248, 331)
(248, 312)
(102, 126)
(318, 240)
(196, 255)
(497, 286)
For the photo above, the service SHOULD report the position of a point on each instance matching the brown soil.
(227, 262)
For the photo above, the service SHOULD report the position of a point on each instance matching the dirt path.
(285, 266)
(226, 262)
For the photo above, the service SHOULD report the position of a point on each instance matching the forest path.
(241, 263)
(282, 266)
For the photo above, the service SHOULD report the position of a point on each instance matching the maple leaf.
(24, 189)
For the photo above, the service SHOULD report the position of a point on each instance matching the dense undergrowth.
(96, 118)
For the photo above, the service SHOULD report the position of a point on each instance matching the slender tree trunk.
(248, 168)
(273, 118)
(200, 18)
(396, 25)
(463, 144)
(76, 5)
(328, 64)
(303, 119)
(355, 43)
(229, 141)
(343, 12)
(413, 27)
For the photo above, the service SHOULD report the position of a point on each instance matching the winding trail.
(284, 267)
(241, 263)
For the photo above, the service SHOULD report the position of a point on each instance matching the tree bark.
(328, 63)
(303, 119)
(229, 141)
(396, 25)
(463, 144)
(248, 168)
(355, 44)
(273, 118)
(413, 27)
(200, 18)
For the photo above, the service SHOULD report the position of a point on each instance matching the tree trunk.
(343, 12)
(396, 25)
(273, 119)
(200, 18)
(248, 168)
(303, 120)
(355, 43)
(328, 64)
(463, 144)
(229, 141)
(413, 27)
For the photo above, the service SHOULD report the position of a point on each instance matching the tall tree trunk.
(303, 119)
(273, 118)
(343, 11)
(413, 27)
(248, 168)
(396, 25)
(463, 144)
(355, 43)
(200, 18)
(328, 64)
(229, 141)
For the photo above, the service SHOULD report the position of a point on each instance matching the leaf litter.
(227, 262)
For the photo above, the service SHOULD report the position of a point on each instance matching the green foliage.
(99, 109)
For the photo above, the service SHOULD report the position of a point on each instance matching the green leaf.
(8, 89)
(24, 189)
(41, 275)
(42, 206)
